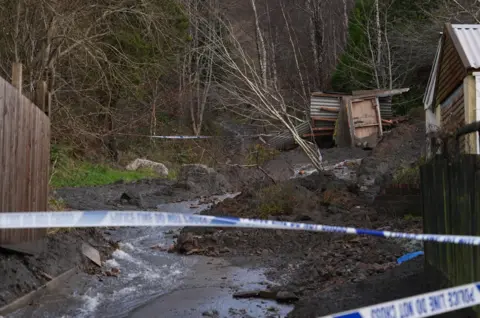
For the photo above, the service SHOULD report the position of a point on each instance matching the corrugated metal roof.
(469, 37)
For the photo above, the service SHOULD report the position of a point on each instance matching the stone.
(286, 297)
(203, 179)
(139, 163)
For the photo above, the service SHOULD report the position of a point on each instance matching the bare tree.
(197, 67)
(245, 94)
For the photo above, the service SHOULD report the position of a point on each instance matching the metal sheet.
(285, 139)
(386, 107)
(469, 37)
(317, 102)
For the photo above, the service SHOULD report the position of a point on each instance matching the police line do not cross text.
(425, 305)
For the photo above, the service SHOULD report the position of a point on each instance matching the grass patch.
(409, 175)
(69, 172)
(84, 174)
(283, 199)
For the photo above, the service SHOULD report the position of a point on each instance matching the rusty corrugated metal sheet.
(326, 101)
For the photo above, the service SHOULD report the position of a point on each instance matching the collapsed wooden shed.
(347, 119)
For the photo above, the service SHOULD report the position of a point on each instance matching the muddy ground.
(307, 265)
(61, 251)
(310, 265)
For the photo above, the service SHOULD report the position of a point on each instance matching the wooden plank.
(2, 132)
(17, 76)
(323, 128)
(40, 292)
(29, 157)
(8, 146)
(316, 118)
(40, 95)
(8, 150)
(317, 134)
(24, 160)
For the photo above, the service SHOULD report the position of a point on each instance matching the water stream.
(154, 283)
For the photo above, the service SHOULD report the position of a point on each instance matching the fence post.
(40, 95)
(17, 76)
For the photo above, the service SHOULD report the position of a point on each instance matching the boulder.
(158, 167)
(205, 180)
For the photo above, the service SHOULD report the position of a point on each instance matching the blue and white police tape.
(17, 220)
(424, 305)
(181, 137)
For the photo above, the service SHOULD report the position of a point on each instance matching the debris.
(45, 275)
(409, 256)
(264, 294)
(91, 253)
(159, 247)
(195, 251)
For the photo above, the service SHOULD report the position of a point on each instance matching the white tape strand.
(19, 220)
(425, 305)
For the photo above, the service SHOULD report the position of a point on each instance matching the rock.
(132, 199)
(111, 274)
(212, 314)
(186, 243)
(286, 297)
(138, 163)
(203, 179)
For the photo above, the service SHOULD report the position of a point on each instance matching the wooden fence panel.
(451, 205)
(24, 160)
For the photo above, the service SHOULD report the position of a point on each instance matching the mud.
(329, 272)
(306, 263)
(400, 147)
(21, 273)
(321, 269)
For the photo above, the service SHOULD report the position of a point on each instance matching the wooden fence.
(24, 159)
(451, 205)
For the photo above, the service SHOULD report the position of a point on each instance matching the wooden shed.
(451, 99)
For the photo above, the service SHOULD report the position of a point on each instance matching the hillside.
(121, 71)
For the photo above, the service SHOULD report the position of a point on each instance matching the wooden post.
(17, 76)
(41, 95)
(48, 106)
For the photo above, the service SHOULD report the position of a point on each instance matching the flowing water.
(154, 283)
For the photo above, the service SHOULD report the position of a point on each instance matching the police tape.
(424, 305)
(181, 137)
(19, 220)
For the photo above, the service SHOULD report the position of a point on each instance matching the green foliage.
(278, 199)
(349, 72)
(409, 175)
(70, 172)
(356, 68)
(258, 154)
